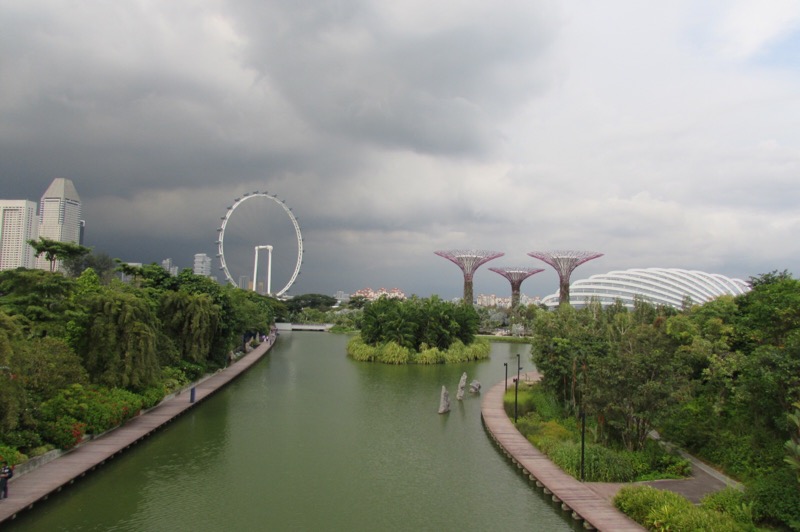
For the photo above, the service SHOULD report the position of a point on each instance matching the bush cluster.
(79, 409)
(664, 510)
(392, 353)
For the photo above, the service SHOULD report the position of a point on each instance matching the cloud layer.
(659, 135)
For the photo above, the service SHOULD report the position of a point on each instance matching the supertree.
(515, 275)
(468, 261)
(564, 262)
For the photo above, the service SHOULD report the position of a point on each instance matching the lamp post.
(583, 420)
(516, 389)
(505, 365)
(583, 437)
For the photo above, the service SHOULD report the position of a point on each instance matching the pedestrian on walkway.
(6, 473)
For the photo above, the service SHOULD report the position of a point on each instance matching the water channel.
(308, 439)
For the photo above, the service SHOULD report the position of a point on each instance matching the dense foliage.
(664, 510)
(541, 420)
(81, 355)
(417, 330)
(719, 380)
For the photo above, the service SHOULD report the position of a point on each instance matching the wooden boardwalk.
(573, 495)
(37, 485)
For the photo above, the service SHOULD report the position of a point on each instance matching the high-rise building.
(18, 224)
(202, 265)
(170, 266)
(59, 215)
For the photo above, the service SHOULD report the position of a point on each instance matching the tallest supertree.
(469, 261)
(564, 263)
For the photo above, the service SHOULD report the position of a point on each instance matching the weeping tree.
(11, 398)
(191, 320)
(117, 337)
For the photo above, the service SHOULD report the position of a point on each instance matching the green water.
(311, 440)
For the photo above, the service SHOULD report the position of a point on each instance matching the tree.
(55, 250)
(101, 263)
(638, 381)
(357, 302)
(793, 445)
(191, 320)
(11, 395)
(117, 340)
(315, 301)
(42, 299)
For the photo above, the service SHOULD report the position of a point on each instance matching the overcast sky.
(662, 134)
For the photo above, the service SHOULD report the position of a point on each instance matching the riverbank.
(574, 496)
(25, 490)
(590, 502)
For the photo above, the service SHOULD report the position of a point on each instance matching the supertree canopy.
(564, 262)
(469, 261)
(515, 275)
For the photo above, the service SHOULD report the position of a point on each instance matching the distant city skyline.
(660, 134)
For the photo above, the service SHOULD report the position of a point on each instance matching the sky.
(661, 134)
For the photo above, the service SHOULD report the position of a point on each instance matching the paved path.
(589, 501)
(37, 485)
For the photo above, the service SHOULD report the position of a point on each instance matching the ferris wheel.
(258, 202)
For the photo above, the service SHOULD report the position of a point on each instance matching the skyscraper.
(59, 215)
(170, 266)
(18, 224)
(202, 264)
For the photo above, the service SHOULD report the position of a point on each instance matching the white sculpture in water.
(461, 385)
(444, 401)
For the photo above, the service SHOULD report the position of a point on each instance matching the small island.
(418, 331)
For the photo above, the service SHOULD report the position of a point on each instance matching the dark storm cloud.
(397, 128)
(349, 71)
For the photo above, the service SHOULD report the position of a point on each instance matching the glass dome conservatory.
(659, 286)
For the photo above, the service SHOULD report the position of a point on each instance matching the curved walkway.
(37, 485)
(588, 501)
(575, 496)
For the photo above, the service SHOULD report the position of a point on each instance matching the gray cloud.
(659, 136)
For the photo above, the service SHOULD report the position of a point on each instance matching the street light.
(516, 389)
(505, 365)
(583, 437)
(583, 420)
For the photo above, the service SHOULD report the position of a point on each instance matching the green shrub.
(361, 351)
(192, 371)
(732, 502)
(10, 455)
(97, 408)
(23, 440)
(776, 499)
(66, 432)
(109, 408)
(430, 355)
(173, 378)
(637, 501)
(392, 353)
(152, 396)
(665, 510)
(600, 463)
(686, 516)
